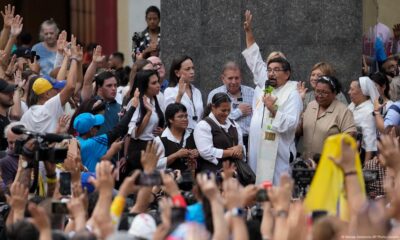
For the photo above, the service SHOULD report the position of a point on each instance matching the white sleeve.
(162, 161)
(240, 140)
(288, 115)
(256, 64)
(132, 124)
(204, 143)
(54, 106)
(369, 133)
(169, 96)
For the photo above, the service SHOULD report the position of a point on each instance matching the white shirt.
(147, 134)
(44, 118)
(363, 118)
(162, 161)
(204, 139)
(256, 64)
(194, 108)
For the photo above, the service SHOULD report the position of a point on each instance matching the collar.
(168, 134)
(225, 126)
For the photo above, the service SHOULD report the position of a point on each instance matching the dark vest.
(222, 140)
(172, 147)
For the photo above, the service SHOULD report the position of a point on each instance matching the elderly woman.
(325, 116)
(362, 92)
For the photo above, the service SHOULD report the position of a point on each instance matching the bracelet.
(54, 175)
(282, 213)
(74, 58)
(117, 206)
(51, 180)
(350, 173)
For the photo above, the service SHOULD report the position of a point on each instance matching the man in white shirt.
(44, 114)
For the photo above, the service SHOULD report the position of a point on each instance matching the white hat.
(143, 226)
(368, 88)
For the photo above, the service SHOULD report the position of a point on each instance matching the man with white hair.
(47, 49)
(160, 67)
(9, 163)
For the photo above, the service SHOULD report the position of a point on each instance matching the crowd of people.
(95, 150)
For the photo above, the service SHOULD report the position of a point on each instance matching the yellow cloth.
(327, 188)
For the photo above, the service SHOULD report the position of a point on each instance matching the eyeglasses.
(275, 70)
(321, 93)
(182, 116)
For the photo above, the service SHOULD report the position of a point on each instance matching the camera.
(46, 153)
(137, 38)
(149, 179)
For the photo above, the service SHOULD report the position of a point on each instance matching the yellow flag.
(327, 188)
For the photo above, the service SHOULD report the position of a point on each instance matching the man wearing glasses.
(159, 66)
(278, 111)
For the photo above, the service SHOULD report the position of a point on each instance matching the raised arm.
(16, 28)
(76, 57)
(87, 88)
(248, 30)
(8, 16)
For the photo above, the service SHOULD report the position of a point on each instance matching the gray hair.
(230, 65)
(49, 22)
(11, 125)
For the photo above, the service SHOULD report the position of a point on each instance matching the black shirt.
(4, 121)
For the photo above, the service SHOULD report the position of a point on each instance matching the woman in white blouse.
(147, 120)
(218, 138)
(181, 89)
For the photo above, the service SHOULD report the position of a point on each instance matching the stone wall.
(307, 31)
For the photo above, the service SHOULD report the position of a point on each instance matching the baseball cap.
(143, 226)
(26, 53)
(85, 121)
(5, 87)
(85, 176)
(45, 83)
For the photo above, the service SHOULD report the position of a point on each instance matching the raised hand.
(170, 186)
(396, 31)
(62, 42)
(229, 169)
(208, 186)
(389, 152)
(233, 194)
(8, 15)
(97, 58)
(347, 160)
(301, 88)
(181, 86)
(147, 104)
(129, 186)
(281, 196)
(16, 26)
(63, 123)
(40, 220)
(150, 157)
(248, 19)
(18, 79)
(104, 178)
(18, 196)
(135, 99)
(34, 66)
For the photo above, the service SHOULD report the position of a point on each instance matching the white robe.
(285, 122)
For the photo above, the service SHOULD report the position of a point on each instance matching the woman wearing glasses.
(325, 116)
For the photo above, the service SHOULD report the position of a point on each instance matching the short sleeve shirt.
(336, 119)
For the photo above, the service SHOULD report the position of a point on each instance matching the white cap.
(143, 226)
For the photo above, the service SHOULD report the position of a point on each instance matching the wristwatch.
(236, 212)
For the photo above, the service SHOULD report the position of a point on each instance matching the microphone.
(49, 137)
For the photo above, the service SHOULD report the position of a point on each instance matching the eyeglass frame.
(275, 70)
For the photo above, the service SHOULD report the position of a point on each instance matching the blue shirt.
(92, 149)
(111, 117)
(392, 116)
(195, 213)
(164, 85)
(47, 58)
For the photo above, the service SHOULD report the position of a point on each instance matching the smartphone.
(59, 207)
(380, 100)
(262, 196)
(151, 179)
(65, 183)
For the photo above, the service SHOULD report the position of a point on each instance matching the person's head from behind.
(45, 88)
(279, 71)
(49, 32)
(390, 67)
(221, 106)
(382, 83)
(158, 65)
(328, 228)
(22, 230)
(148, 83)
(356, 94)
(11, 136)
(176, 116)
(87, 124)
(153, 17)
(326, 90)
(116, 60)
(318, 70)
(6, 94)
(181, 68)
(231, 77)
(106, 85)
(275, 54)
